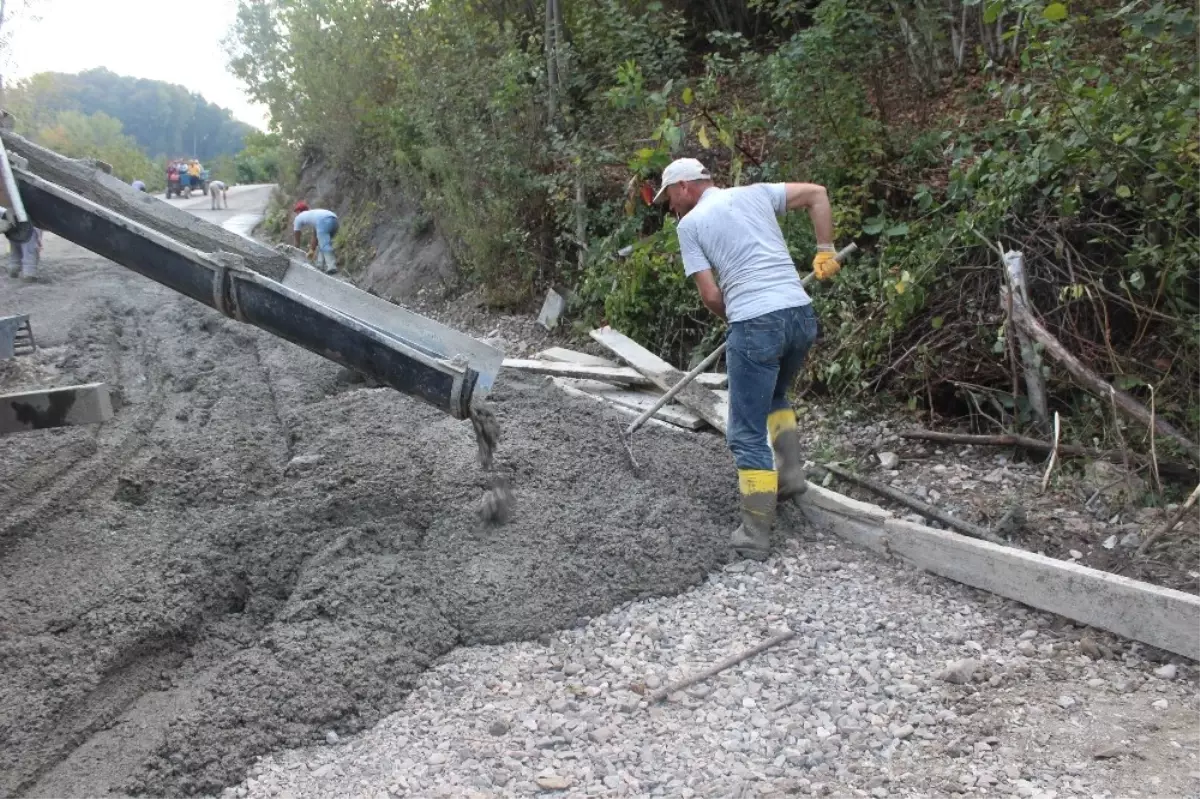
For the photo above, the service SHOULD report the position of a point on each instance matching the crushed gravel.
(895, 684)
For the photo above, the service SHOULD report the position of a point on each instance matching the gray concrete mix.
(253, 553)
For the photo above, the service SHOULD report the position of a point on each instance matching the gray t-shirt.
(735, 232)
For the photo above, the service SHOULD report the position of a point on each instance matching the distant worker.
(325, 226)
(734, 249)
(138, 185)
(184, 179)
(193, 171)
(216, 190)
(23, 259)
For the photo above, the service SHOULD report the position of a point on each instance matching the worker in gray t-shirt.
(733, 248)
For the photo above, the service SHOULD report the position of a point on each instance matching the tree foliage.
(529, 132)
(164, 119)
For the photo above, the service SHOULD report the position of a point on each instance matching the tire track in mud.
(113, 445)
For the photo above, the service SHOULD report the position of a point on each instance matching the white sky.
(130, 37)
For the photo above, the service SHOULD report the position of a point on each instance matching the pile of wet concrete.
(281, 555)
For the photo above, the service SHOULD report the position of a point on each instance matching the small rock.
(959, 672)
(1160, 704)
(1075, 554)
(1130, 540)
(1110, 542)
(1166, 672)
(1090, 648)
(324, 771)
(1028, 635)
(437, 758)
(301, 462)
(571, 669)
(994, 476)
(553, 782)
(1065, 701)
(498, 728)
(1027, 649)
(888, 460)
(904, 732)
(1110, 751)
(331, 737)
(1095, 682)
(601, 735)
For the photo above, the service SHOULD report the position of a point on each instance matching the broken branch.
(1025, 442)
(728, 662)
(925, 509)
(1053, 453)
(1174, 520)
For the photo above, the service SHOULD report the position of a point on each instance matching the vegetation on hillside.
(531, 133)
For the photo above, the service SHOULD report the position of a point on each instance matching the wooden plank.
(575, 392)
(617, 375)
(1161, 617)
(55, 407)
(640, 401)
(713, 380)
(695, 396)
(564, 355)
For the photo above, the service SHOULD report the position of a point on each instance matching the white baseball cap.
(681, 169)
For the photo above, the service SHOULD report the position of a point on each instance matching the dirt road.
(250, 554)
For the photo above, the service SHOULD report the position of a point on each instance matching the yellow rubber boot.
(785, 441)
(752, 539)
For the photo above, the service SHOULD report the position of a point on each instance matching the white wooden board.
(695, 396)
(640, 401)
(618, 375)
(575, 392)
(1160, 617)
(564, 355)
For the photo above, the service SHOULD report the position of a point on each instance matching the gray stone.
(959, 672)
(888, 460)
(1166, 672)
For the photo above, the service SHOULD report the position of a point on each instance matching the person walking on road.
(216, 190)
(324, 224)
(733, 247)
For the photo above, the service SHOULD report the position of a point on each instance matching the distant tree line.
(164, 119)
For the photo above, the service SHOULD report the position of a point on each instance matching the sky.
(130, 37)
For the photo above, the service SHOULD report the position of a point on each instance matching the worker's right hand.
(825, 264)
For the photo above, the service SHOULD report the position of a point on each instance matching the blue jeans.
(764, 355)
(326, 229)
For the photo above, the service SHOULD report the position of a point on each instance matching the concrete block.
(55, 407)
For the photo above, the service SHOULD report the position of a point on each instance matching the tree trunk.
(1035, 385)
(551, 62)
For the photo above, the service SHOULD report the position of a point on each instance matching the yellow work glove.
(825, 263)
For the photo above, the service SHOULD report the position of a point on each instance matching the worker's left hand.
(825, 265)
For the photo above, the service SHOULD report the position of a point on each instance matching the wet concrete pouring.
(254, 552)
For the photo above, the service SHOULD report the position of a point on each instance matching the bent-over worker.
(216, 190)
(324, 224)
(733, 247)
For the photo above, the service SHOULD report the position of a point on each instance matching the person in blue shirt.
(733, 247)
(324, 225)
